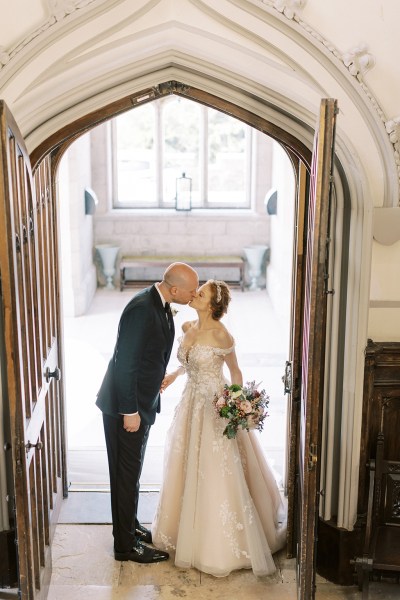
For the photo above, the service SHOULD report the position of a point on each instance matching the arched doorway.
(46, 157)
(162, 232)
(298, 153)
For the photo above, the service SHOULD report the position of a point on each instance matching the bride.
(219, 507)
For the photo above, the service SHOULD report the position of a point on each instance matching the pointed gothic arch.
(352, 224)
(298, 152)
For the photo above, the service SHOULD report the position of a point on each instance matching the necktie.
(169, 314)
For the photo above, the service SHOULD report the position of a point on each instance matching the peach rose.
(246, 407)
(220, 402)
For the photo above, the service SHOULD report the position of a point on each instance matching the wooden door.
(292, 374)
(309, 350)
(30, 297)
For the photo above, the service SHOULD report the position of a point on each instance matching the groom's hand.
(132, 422)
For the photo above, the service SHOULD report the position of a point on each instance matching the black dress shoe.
(142, 554)
(143, 534)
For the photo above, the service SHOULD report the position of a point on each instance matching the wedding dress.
(219, 507)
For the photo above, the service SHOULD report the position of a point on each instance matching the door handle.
(49, 374)
(287, 378)
(38, 445)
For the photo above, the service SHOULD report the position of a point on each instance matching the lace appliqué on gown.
(219, 507)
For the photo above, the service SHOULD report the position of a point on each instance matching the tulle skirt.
(219, 508)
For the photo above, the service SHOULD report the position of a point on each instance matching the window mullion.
(159, 154)
(114, 164)
(249, 162)
(204, 157)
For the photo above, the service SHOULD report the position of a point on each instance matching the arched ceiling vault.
(246, 51)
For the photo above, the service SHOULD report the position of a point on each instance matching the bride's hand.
(168, 379)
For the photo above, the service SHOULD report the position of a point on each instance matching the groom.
(129, 398)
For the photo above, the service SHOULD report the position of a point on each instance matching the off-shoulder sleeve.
(224, 351)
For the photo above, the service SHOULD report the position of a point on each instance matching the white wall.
(56, 68)
(77, 268)
(59, 62)
(384, 312)
(279, 270)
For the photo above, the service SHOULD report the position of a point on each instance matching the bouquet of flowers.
(243, 406)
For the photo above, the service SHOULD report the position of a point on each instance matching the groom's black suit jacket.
(135, 372)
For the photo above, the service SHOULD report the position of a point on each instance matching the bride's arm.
(234, 370)
(170, 378)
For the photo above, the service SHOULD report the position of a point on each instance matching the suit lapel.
(161, 314)
(173, 329)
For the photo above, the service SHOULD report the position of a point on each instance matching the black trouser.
(125, 451)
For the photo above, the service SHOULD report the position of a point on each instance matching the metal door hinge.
(19, 446)
(312, 457)
(326, 279)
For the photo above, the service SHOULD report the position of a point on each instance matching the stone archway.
(349, 192)
(263, 57)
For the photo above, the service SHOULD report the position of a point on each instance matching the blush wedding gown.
(219, 507)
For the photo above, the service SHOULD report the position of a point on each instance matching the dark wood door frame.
(58, 142)
(33, 392)
(300, 156)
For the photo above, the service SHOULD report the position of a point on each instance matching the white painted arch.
(260, 58)
(89, 53)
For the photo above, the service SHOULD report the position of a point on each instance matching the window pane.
(181, 132)
(158, 142)
(136, 165)
(226, 159)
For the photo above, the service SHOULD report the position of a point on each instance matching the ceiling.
(62, 59)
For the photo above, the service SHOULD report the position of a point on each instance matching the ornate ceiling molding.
(357, 61)
(290, 8)
(58, 11)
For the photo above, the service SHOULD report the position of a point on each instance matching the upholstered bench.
(210, 263)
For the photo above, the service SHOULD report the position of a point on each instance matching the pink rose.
(220, 402)
(246, 407)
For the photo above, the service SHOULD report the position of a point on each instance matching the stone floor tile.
(328, 591)
(384, 591)
(81, 592)
(84, 569)
(83, 555)
(164, 573)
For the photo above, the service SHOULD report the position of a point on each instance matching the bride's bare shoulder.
(223, 338)
(187, 325)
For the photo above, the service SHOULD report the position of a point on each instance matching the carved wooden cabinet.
(381, 409)
(337, 547)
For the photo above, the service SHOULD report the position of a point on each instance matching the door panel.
(292, 372)
(311, 333)
(29, 287)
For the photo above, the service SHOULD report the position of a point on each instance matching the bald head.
(180, 283)
(179, 274)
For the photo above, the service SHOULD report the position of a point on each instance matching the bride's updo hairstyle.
(220, 298)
